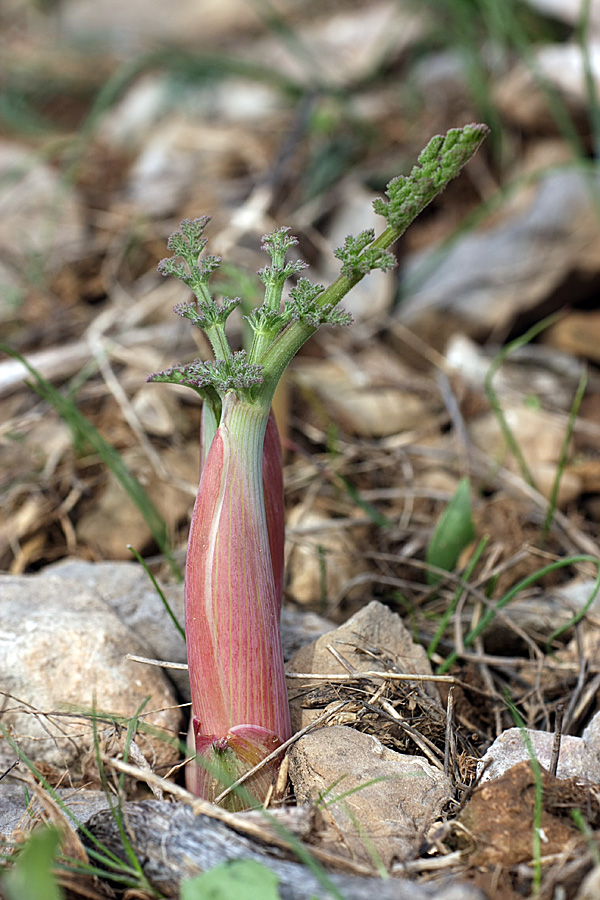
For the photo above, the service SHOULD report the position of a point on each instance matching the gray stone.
(16, 812)
(374, 802)
(577, 758)
(63, 651)
(371, 640)
(489, 275)
(591, 734)
(130, 594)
(40, 214)
(300, 627)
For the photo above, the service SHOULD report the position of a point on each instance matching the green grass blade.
(526, 582)
(375, 516)
(564, 451)
(492, 396)
(96, 849)
(159, 591)
(457, 595)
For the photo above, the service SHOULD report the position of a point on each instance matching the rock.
(540, 436)
(591, 734)
(370, 395)
(40, 215)
(336, 767)
(500, 816)
(538, 369)
(349, 43)
(300, 627)
(489, 276)
(63, 650)
(578, 759)
(561, 66)
(186, 165)
(130, 594)
(569, 488)
(158, 412)
(174, 845)
(15, 812)
(126, 588)
(129, 28)
(321, 558)
(115, 520)
(374, 628)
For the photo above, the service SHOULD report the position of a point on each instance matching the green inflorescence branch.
(280, 327)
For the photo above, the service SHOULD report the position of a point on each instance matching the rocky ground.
(421, 697)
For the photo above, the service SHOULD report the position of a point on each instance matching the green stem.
(282, 350)
(218, 340)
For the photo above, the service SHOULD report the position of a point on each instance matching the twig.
(426, 746)
(449, 742)
(237, 821)
(431, 864)
(557, 738)
(157, 662)
(387, 676)
(10, 768)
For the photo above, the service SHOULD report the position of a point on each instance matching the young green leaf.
(31, 876)
(240, 879)
(454, 531)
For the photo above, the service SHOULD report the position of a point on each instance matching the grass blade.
(485, 620)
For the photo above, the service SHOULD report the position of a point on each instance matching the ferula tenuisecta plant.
(234, 567)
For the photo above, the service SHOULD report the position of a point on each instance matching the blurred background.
(119, 119)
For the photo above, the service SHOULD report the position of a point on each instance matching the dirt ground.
(475, 358)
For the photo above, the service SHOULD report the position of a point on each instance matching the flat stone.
(62, 651)
(109, 525)
(321, 558)
(500, 816)
(591, 734)
(375, 803)
(40, 215)
(300, 627)
(577, 758)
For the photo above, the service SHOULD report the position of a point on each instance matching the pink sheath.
(232, 603)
